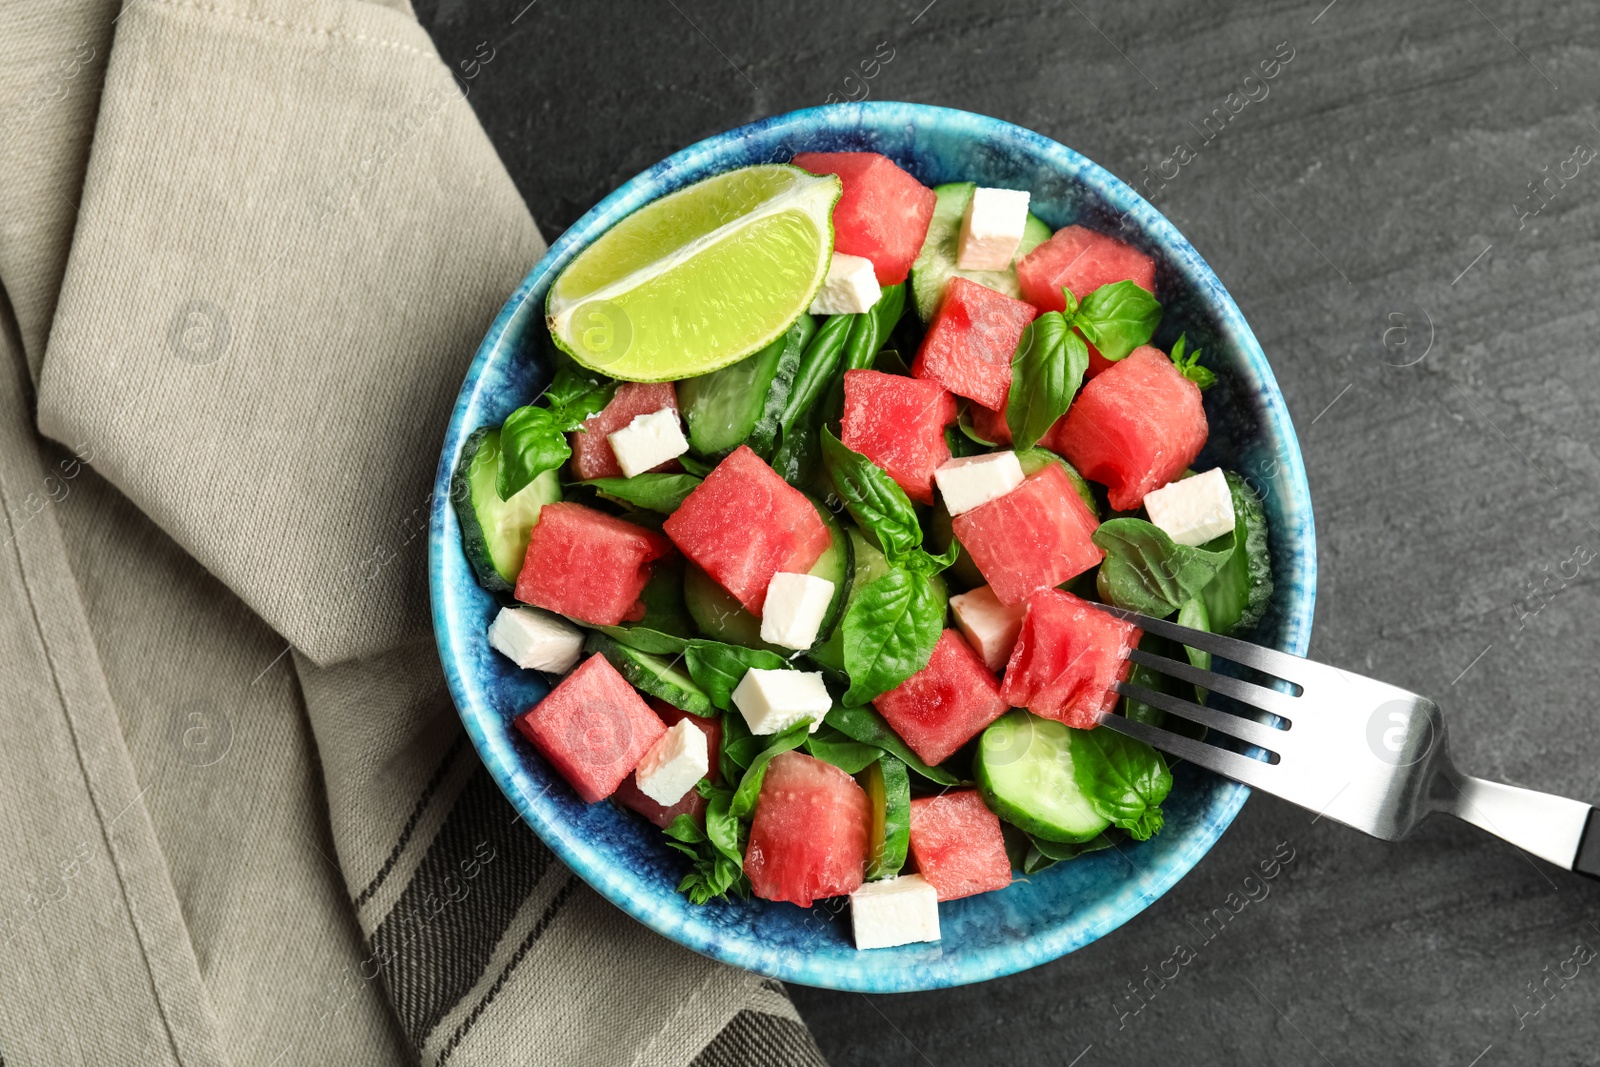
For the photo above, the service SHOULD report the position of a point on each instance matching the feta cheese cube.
(773, 701)
(989, 626)
(795, 606)
(536, 639)
(648, 441)
(895, 911)
(1193, 510)
(675, 763)
(850, 287)
(991, 229)
(972, 481)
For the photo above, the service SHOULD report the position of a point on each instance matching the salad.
(816, 518)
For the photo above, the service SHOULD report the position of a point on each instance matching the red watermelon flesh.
(969, 346)
(588, 565)
(1081, 260)
(946, 704)
(898, 423)
(1036, 536)
(744, 524)
(957, 844)
(990, 425)
(591, 452)
(593, 728)
(630, 796)
(1069, 657)
(810, 836)
(883, 213)
(1133, 429)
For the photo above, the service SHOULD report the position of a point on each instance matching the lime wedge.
(698, 279)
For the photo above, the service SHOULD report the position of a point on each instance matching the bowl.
(1038, 918)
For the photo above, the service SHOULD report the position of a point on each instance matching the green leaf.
(1193, 614)
(926, 563)
(874, 499)
(739, 747)
(1189, 366)
(654, 492)
(744, 798)
(1046, 370)
(845, 753)
(890, 629)
(532, 440)
(1118, 318)
(717, 851)
(645, 639)
(867, 726)
(576, 395)
(1042, 853)
(697, 467)
(797, 450)
(1146, 571)
(685, 829)
(1241, 592)
(718, 668)
(1124, 780)
(722, 824)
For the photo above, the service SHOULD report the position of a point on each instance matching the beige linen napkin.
(247, 248)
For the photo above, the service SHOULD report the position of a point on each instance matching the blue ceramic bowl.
(1039, 918)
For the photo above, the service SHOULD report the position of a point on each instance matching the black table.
(1381, 184)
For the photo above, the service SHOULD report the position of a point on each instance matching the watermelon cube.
(898, 423)
(1134, 428)
(883, 213)
(744, 524)
(990, 425)
(630, 796)
(810, 836)
(1036, 536)
(969, 346)
(1068, 659)
(593, 728)
(957, 844)
(1081, 260)
(946, 704)
(588, 565)
(591, 452)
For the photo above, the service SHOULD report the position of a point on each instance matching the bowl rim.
(656, 181)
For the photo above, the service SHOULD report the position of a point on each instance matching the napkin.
(247, 248)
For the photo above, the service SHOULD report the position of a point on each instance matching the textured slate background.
(1386, 172)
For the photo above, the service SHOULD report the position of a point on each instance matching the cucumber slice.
(936, 263)
(719, 614)
(1033, 460)
(494, 532)
(869, 565)
(1024, 771)
(1237, 597)
(888, 786)
(741, 404)
(652, 675)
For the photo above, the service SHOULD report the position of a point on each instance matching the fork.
(1358, 751)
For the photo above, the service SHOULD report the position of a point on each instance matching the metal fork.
(1361, 752)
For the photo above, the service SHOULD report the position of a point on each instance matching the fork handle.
(1563, 831)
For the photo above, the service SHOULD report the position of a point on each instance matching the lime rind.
(699, 279)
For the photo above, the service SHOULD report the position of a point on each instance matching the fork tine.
(1251, 772)
(1247, 730)
(1278, 664)
(1280, 704)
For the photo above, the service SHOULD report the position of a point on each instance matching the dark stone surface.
(1392, 151)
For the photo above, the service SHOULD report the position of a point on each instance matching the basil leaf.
(1194, 615)
(1239, 595)
(845, 753)
(739, 747)
(1042, 853)
(867, 726)
(722, 824)
(1124, 780)
(654, 492)
(890, 629)
(1188, 364)
(870, 330)
(796, 457)
(922, 561)
(1146, 571)
(532, 440)
(645, 639)
(873, 498)
(1118, 318)
(697, 467)
(685, 829)
(718, 668)
(576, 396)
(744, 798)
(718, 852)
(1046, 370)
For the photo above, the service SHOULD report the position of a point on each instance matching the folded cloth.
(247, 248)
